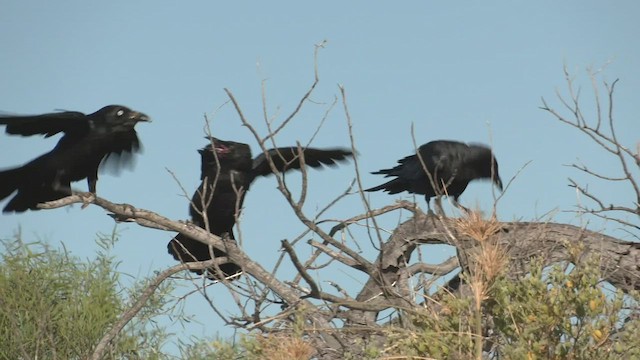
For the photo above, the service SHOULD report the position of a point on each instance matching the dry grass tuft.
(476, 227)
(282, 347)
(491, 259)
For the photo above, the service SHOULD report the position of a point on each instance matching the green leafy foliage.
(56, 306)
(444, 335)
(250, 347)
(565, 315)
(552, 313)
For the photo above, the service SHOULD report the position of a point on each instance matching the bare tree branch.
(608, 142)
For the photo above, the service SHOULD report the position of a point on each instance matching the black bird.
(227, 171)
(107, 135)
(451, 164)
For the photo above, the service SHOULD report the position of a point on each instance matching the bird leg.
(459, 206)
(92, 181)
(438, 206)
(429, 211)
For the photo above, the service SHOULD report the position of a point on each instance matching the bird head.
(485, 164)
(121, 117)
(221, 147)
(225, 151)
(494, 174)
(498, 181)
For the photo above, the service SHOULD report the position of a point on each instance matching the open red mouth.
(221, 149)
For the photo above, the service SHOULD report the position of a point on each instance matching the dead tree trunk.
(388, 286)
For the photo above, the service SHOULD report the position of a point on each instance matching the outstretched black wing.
(237, 170)
(288, 158)
(45, 124)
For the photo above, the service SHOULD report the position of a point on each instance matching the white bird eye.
(120, 112)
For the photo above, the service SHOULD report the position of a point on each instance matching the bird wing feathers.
(287, 158)
(120, 152)
(46, 124)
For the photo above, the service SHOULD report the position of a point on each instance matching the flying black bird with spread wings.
(107, 135)
(227, 171)
(451, 164)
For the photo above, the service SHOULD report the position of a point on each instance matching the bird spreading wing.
(107, 135)
(227, 172)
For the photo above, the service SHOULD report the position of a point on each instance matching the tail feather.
(392, 187)
(30, 193)
(376, 188)
(185, 249)
(29, 198)
(383, 172)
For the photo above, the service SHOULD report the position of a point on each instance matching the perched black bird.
(227, 171)
(452, 166)
(88, 141)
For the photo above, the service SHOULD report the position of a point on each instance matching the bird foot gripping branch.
(87, 199)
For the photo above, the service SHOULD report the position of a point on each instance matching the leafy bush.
(56, 306)
(549, 314)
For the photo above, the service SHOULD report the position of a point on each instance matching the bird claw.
(120, 218)
(87, 199)
(466, 210)
(438, 205)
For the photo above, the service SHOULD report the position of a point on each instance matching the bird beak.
(498, 182)
(138, 116)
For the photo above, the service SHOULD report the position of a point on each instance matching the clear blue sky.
(454, 71)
